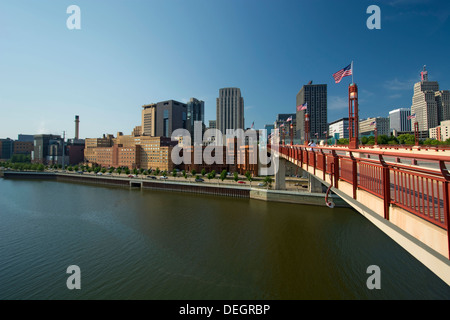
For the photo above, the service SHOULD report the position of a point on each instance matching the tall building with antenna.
(429, 105)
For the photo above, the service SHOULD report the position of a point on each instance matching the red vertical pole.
(416, 133)
(306, 129)
(446, 199)
(336, 168)
(386, 187)
(292, 134)
(353, 116)
(354, 175)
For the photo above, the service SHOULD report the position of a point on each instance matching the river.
(133, 244)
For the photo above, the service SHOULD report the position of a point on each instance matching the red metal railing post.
(386, 187)
(314, 161)
(446, 196)
(354, 175)
(336, 168)
(324, 164)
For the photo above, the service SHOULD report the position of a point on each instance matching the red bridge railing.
(423, 192)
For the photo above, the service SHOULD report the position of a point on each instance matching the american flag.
(413, 116)
(325, 132)
(252, 125)
(282, 125)
(289, 119)
(302, 107)
(373, 123)
(347, 71)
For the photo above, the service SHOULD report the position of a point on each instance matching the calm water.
(132, 244)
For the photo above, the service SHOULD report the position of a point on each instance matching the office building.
(314, 96)
(441, 132)
(429, 105)
(367, 126)
(148, 126)
(47, 147)
(195, 113)
(212, 124)
(230, 110)
(6, 148)
(23, 147)
(25, 138)
(398, 120)
(285, 127)
(168, 116)
(339, 129)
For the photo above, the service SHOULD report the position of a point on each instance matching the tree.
(407, 139)
(342, 141)
(127, 171)
(70, 168)
(236, 176)
(41, 167)
(119, 171)
(174, 173)
(135, 171)
(203, 172)
(193, 172)
(157, 171)
(364, 140)
(223, 175)
(212, 175)
(268, 181)
(383, 139)
(103, 170)
(248, 175)
(184, 174)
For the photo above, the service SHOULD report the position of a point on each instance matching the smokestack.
(77, 127)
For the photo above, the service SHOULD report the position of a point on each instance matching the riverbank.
(210, 188)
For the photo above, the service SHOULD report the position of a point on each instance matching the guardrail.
(420, 191)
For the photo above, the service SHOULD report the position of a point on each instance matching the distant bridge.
(403, 191)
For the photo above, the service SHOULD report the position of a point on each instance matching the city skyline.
(116, 63)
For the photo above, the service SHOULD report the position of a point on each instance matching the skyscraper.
(170, 115)
(429, 105)
(162, 118)
(195, 112)
(314, 96)
(148, 127)
(230, 109)
(398, 120)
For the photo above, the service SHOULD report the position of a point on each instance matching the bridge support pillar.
(280, 174)
(314, 185)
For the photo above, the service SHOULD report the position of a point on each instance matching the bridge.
(404, 191)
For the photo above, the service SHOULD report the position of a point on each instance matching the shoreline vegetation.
(293, 183)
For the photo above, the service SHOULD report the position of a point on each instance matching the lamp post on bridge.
(353, 116)
(416, 133)
(292, 134)
(306, 128)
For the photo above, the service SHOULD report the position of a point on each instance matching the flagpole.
(352, 73)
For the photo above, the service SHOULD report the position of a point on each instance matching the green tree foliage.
(268, 181)
(223, 175)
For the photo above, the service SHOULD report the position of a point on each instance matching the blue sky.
(134, 52)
